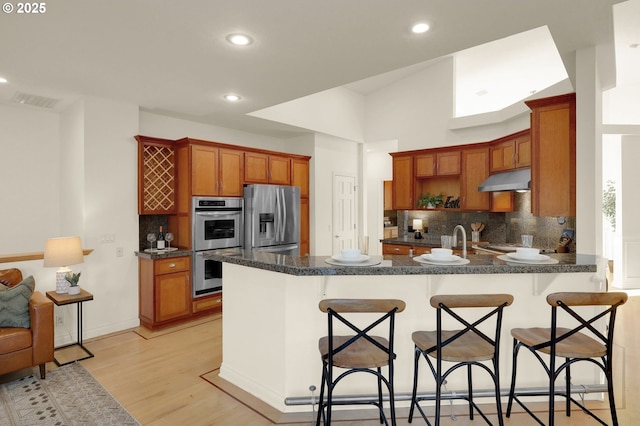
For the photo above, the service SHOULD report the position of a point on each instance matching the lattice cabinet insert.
(157, 180)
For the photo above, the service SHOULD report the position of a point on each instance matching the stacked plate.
(359, 260)
(533, 259)
(430, 259)
(351, 259)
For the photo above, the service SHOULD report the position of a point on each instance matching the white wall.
(627, 253)
(332, 156)
(30, 176)
(165, 127)
(75, 173)
(338, 112)
(379, 167)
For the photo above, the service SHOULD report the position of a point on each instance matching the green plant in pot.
(73, 279)
(430, 201)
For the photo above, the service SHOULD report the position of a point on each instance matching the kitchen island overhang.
(272, 322)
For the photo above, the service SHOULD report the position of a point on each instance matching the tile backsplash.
(150, 223)
(499, 227)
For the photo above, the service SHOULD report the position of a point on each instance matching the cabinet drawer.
(173, 264)
(207, 303)
(395, 249)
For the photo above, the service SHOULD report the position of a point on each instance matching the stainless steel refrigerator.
(272, 218)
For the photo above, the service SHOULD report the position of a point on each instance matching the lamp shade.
(417, 224)
(63, 251)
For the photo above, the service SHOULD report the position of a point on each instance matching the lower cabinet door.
(173, 296)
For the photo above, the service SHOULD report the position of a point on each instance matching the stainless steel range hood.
(515, 180)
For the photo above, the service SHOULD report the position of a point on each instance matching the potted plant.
(430, 201)
(73, 279)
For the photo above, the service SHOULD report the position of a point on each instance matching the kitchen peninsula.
(272, 322)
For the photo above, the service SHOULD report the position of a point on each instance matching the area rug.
(69, 395)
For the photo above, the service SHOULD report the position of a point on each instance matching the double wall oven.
(217, 224)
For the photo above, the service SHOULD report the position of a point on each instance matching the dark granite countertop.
(398, 265)
(163, 254)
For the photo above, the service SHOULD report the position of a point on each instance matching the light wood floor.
(165, 378)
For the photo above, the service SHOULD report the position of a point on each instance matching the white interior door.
(344, 213)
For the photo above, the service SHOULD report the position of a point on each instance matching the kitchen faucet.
(464, 239)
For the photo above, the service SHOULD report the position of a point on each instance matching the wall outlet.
(59, 320)
(119, 252)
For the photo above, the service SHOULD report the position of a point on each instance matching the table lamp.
(63, 252)
(417, 227)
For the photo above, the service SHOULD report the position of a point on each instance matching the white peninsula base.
(272, 325)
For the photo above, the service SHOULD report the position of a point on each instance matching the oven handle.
(224, 213)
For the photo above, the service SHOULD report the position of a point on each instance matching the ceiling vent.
(34, 100)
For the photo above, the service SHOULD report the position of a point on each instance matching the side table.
(67, 299)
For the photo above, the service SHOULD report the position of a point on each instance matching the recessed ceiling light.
(420, 28)
(239, 39)
(3, 80)
(232, 98)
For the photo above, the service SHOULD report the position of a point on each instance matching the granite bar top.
(397, 264)
(163, 254)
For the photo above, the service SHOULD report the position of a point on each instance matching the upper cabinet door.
(475, 163)
(425, 165)
(553, 155)
(523, 150)
(279, 170)
(256, 167)
(300, 175)
(204, 171)
(403, 183)
(448, 163)
(511, 152)
(231, 171)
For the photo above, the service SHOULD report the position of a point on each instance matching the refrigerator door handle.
(276, 223)
(283, 227)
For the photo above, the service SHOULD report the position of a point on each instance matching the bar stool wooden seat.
(466, 347)
(359, 352)
(585, 342)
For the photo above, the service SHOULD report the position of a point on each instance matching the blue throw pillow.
(14, 304)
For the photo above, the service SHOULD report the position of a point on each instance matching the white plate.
(536, 258)
(361, 258)
(529, 261)
(431, 258)
(423, 260)
(376, 260)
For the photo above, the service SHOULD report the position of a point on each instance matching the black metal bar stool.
(466, 347)
(359, 352)
(584, 342)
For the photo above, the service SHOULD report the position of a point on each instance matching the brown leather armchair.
(27, 347)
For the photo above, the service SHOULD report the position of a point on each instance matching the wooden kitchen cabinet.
(403, 249)
(267, 168)
(164, 290)
(511, 152)
(475, 170)
(300, 175)
(553, 155)
(403, 183)
(448, 163)
(437, 163)
(388, 194)
(305, 244)
(395, 248)
(216, 171)
(156, 176)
